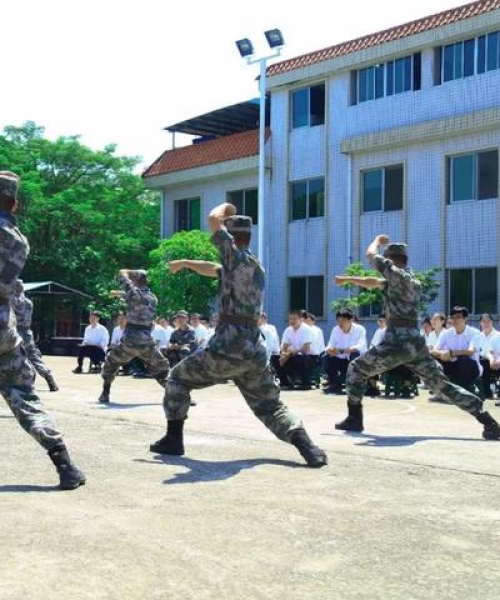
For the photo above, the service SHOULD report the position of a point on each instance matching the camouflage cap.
(396, 250)
(239, 224)
(138, 274)
(9, 184)
(182, 313)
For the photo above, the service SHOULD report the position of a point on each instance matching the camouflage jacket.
(141, 310)
(14, 250)
(241, 293)
(184, 337)
(402, 290)
(23, 309)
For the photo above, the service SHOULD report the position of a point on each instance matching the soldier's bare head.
(9, 186)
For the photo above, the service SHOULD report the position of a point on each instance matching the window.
(246, 202)
(187, 214)
(476, 289)
(372, 310)
(307, 199)
(382, 189)
(387, 79)
(472, 176)
(307, 293)
(470, 57)
(308, 106)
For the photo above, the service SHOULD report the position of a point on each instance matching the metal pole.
(262, 161)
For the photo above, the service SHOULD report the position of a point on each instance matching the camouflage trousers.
(33, 353)
(254, 379)
(128, 349)
(16, 386)
(406, 347)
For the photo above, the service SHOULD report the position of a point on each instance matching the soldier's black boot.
(51, 382)
(104, 397)
(173, 442)
(314, 456)
(491, 429)
(69, 474)
(354, 420)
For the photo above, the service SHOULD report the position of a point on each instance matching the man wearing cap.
(183, 339)
(23, 309)
(236, 350)
(17, 375)
(402, 344)
(137, 340)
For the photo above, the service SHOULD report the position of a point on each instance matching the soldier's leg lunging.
(120, 355)
(35, 357)
(157, 365)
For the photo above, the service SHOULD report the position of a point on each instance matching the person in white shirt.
(372, 389)
(270, 335)
(165, 323)
(458, 350)
(205, 321)
(200, 331)
(95, 343)
(119, 330)
(160, 336)
(347, 342)
(294, 360)
(318, 345)
(427, 331)
(495, 362)
(438, 322)
(486, 338)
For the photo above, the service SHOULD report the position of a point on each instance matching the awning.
(52, 288)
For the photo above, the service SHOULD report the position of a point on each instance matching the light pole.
(276, 42)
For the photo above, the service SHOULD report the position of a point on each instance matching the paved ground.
(410, 510)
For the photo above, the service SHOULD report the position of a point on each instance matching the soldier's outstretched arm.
(368, 283)
(218, 214)
(202, 267)
(374, 248)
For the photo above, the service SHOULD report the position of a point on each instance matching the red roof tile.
(446, 17)
(230, 147)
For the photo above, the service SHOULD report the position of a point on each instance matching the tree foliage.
(85, 212)
(362, 297)
(185, 290)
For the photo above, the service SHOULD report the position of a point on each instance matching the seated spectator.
(486, 338)
(294, 361)
(119, 330)
(438, 322)
(318, 344)
(95, 343)
(372, 389)
(427, 330)
(165, 323)
(182, 340)
(495, 361)
(347, 342)
(161, 337)
(458, 350)
(205, 321)
(270, 336)
(200, 331)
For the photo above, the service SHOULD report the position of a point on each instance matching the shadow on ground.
(21, 488)
(381, 441)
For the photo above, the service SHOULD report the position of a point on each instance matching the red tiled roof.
(229, 147)
(446, 17)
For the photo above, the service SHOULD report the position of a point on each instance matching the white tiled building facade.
(421, 165)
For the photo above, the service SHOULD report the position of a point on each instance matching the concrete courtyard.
(408, 510)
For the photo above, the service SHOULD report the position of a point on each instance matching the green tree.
(85, 212)
(185, 290)
(362, 297)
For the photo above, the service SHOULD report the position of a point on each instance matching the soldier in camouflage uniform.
(403, 344)
(16, 373)
(137, 340)
(236, 350)
(23, 309)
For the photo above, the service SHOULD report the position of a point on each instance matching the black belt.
(408, 323)
(239, 320)
(135, 327)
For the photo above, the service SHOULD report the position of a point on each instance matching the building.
(396, 132)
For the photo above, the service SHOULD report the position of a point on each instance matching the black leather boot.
(491, 429)
(173, 442)
(69, 474)
(51, 382)
(314, 456)
(354, 420)
(104, 397)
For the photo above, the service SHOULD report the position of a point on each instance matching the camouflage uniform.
(16, 373)
(235, 351)
(403, 345)
(137, 341)
(23, 309)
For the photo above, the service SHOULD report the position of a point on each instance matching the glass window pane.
(461, 288)
(462, 177)
(300, 108)
(492, 59)
(299, 201)
(459, 60)
(372, 190)
(370, 83)
(297, 293)
(362, 85)
(236, 198)
(353, 97)
(408, 74)
(448, 62)
(393, 188)
(317, 105)
(417, 71)
(379, 81)
(481, 54)
(488, 175)
(195, 214)
(315, 301)
(316, 198)
(390, 78)
(181, 215)
(469, 48)
(399, 76)
(252, 205)
(485, 291)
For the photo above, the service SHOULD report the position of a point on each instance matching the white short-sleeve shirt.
(468, 340)
(318, 344)
(378, 337)
(296, 338)
(485, 342)
(355, 338)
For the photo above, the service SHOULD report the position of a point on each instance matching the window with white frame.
(187, 214)
(476, 289)
(382, 189)
(307, 199)
(308, 106)
(472, 176)
(307, 293)
(246, 203)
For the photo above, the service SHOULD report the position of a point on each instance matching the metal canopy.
(52, 288)
(237, 118)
